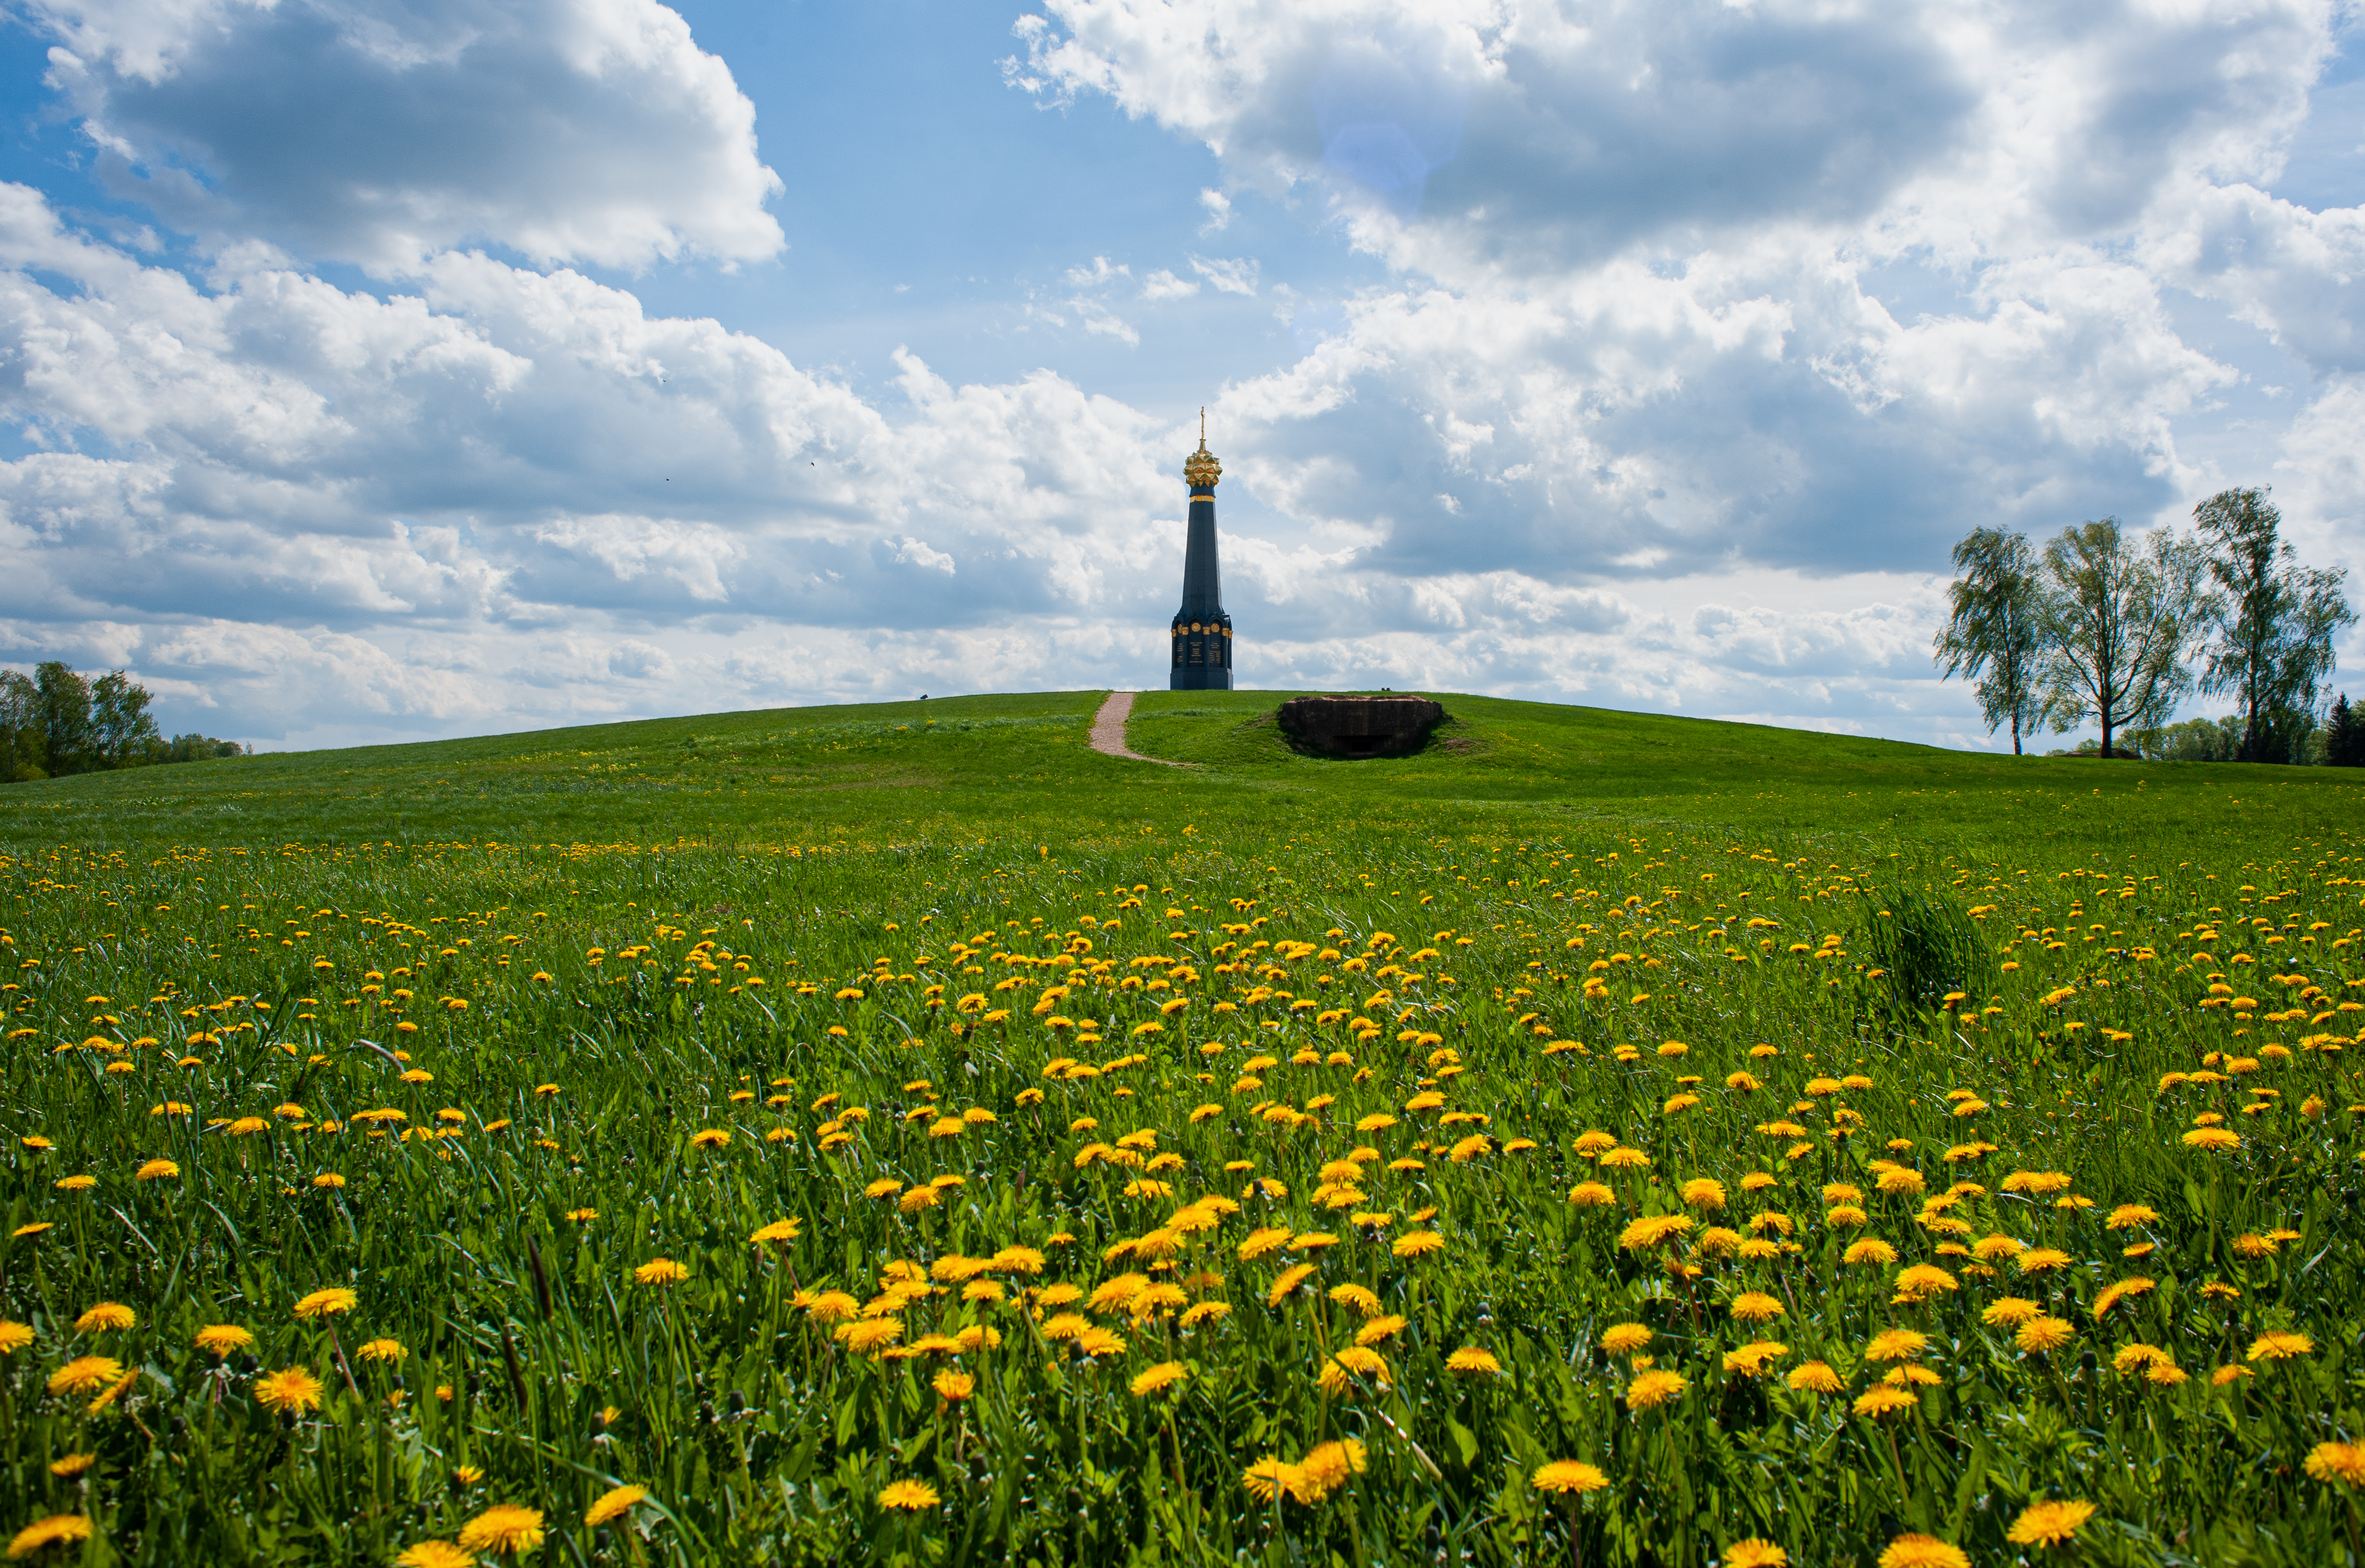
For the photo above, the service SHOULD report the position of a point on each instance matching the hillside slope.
(995, 765)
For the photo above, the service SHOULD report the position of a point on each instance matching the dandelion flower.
(328, 1303)
(2040, 1334)
(106, 1315)
(1353, 1361)
(1286, 1283)
(293, 1390)
(221, 1340)
(1653, 1388)
(869, 1334)
(1816, 1377)
(57, 1530)
(1165, 1375)
(2048, 1524)
(85, 1374)
(434, 1554)
(1327, 1467)
(504, 1528)
(1885, 1399)
(614, 1505)
(1272, 1478)
(1897, 1345)
(1922, 1551)
(2342, 1463)
(1566, 1475)
(1652, 1231)
(1703, 1193)
(1624, 1338)
(1756, 1359)
(1416, 1243)
(909, 1496)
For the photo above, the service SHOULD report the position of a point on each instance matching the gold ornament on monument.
(1200, 470)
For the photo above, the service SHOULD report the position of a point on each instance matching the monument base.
(1359, 726)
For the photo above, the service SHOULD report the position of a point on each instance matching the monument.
(1203, 632)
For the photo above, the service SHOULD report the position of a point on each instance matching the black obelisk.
(1203, 632)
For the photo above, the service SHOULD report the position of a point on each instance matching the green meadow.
(900, 1133)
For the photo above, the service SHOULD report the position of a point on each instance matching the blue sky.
(376, 370)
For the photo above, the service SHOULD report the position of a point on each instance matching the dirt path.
(1108, 730)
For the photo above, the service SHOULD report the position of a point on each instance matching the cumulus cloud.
(1696, 333)
(380, 132)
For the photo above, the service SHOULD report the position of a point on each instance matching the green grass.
(231, 965)
(953, 768)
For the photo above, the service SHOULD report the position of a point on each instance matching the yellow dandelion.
(293, 1390)
(1624, 1338)
(1922, 1551)
(2041, 1334)
(503, 1527)
(106, 1316)
(1568, 1475)
(2341, 1463)
(2048, 1524)
(85, 1374)
(1816, 1377)
(1885, 1399)
(434, 1554)
(614, 1505)
(1165, 1375)
(57, 1530)
(1271, 1479)
(1653, 1388)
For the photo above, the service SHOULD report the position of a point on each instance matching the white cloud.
(1236, 275)
(377, 131)
(1163, 285)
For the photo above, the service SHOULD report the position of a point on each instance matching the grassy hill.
(1021, 765)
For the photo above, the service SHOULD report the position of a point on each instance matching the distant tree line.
(2117, 629)
(55, 721)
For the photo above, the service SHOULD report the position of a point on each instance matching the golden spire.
(1200, 470)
